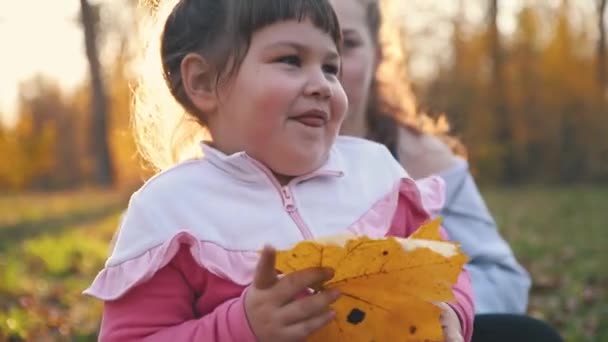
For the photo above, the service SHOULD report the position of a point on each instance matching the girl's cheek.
(340, 103)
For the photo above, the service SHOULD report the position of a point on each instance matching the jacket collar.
(244, 167)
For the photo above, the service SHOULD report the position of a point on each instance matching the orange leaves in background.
(388, 285)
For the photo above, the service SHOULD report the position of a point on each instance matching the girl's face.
(359, 59)
(285, 105)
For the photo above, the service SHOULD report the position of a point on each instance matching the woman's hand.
(274, 312)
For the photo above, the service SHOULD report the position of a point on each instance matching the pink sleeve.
(463, 305)
(409, 216)
(163, 309)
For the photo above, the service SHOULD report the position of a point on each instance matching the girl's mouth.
(312, 118)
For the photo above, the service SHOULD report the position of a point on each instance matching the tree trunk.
(503, 120)
(601, 47)
(102, 173)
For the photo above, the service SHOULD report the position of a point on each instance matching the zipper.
(288, 202)
(291, 208)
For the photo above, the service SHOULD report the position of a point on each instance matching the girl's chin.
(298, 166)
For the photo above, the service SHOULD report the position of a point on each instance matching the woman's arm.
(500, 283)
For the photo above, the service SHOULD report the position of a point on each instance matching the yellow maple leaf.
(388, 285)
(429, 231)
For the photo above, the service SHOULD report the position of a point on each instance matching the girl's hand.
(450, 324)
(273, 311)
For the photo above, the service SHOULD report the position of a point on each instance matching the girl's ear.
(198, 80)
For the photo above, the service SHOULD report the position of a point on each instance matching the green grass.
(561, 238)
(52, 245)
(24, 216)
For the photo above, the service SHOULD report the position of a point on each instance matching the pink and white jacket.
(187, 246)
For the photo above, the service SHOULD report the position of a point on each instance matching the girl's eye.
(349, 43)
(291, 60)
(332, 69)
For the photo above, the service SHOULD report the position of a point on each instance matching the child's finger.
(305, 328)
(308, 307)
(265, 273)
(295, 283)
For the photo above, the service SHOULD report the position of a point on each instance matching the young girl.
(263, 77)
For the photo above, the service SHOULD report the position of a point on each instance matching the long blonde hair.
(392, 93)
(164, 132)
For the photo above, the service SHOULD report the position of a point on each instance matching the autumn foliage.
(529, 104)
(388, 286)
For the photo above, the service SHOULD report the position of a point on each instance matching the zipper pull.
(287, 199)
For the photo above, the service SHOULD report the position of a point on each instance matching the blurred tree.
(601, 46)
(543, 76)
(525, 81)
(50, 144)
(103, 171)
(35, 149)
(458, 122)
(504, 135)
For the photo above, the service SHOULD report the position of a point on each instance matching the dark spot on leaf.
(412, 329)
(294, 255)
(384, 252)
(355, 316)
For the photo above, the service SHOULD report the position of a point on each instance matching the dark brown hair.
(221, 31)
(166, 126)
(382, 127)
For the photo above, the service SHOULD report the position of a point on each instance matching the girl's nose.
(318, 85)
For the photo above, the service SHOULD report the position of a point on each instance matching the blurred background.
(523, 83)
